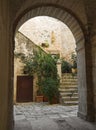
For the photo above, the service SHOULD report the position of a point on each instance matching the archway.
(41, 30)
(13, 10)
(77, 31)
(74, 26)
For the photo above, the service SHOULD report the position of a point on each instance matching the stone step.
(68, 87)
(69, 80)
(68, 83)
(67, 98)
(69, 103)
(68, 94)
(68, 90)
(69, 77)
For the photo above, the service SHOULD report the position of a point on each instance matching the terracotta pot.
(39, 98)
(45, 99)
(54, 101)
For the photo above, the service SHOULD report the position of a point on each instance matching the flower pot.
(45, 99)
(39, 98)
(54, 101)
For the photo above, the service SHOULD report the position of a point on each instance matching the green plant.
(74, 60)
(50, 88)
(48, 80)
(29, 67)
(66, 66)
(44, 66)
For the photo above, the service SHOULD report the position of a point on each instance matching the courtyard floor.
(42, 116)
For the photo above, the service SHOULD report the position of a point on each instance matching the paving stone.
(44, 124)
(19, 117)
(36, 116)
(22, 125)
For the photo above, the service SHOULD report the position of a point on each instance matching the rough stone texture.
(82, 82)
(74, 26)
(51, 31)
(58, 13)
(93, 40)
(75, 6)
(68, 90)
(6, 119)
(36, 116)
(24, 46)
(35, 111)
(22, 125)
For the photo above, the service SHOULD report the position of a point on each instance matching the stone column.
(85, 85)
(93, 42)
(89, 75)
(59, 68)
(82, 87)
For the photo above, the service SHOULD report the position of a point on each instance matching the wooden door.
(24, 88)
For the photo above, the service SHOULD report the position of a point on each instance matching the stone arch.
(55, 12)
(78, 34)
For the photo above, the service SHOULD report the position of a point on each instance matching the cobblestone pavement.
(41, 116)
(35, 111)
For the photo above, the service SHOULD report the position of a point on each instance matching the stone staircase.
(68, 90)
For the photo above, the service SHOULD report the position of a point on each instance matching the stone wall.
(24, 46)
(93, 41)
(72, 14)
(51, 31)
(18, 70)
(6, 108)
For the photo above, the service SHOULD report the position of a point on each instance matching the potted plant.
(44, 66)
(50, 79)
(39, 96)
(50, 89)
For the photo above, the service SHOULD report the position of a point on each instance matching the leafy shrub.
(44, 66)
(50, 88)
(74, 60)
(66, 67)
